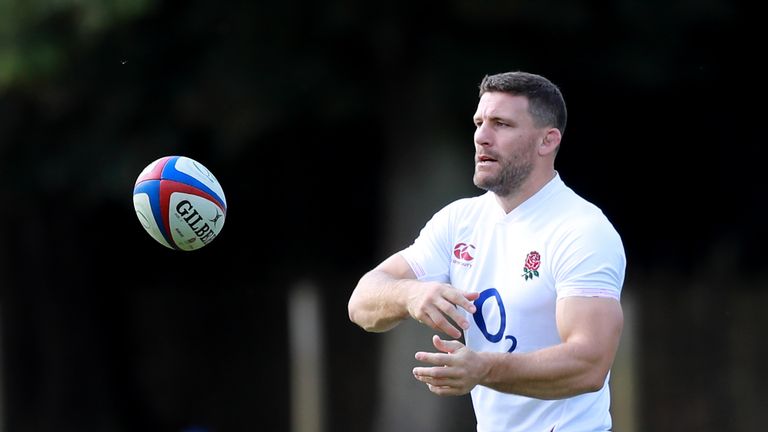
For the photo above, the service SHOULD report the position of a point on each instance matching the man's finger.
(451, 311)
(442, 324)
(463, 300)
(447, 346)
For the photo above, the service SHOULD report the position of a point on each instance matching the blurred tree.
(35, 35)
(304, 110)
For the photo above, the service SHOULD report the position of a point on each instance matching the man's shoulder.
(574, 204)
(569, 212)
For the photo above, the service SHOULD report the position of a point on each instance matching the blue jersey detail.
(480, 320)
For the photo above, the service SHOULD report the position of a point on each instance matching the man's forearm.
(557, 372)
(378, 304)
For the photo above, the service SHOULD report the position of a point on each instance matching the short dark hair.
(545, 101)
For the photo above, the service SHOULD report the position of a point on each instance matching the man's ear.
(550, 142)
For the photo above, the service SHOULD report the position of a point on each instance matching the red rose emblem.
(532, 262)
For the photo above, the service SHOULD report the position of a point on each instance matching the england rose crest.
(532, 262)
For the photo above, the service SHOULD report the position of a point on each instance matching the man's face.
(506, 140)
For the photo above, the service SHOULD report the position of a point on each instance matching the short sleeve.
(429, 254)
(591, 263)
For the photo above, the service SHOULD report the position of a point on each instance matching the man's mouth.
(484, 159)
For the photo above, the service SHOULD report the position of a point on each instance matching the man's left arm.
(590, 330)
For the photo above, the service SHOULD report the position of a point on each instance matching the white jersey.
(554, 245)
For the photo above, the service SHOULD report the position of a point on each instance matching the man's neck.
(529, 188)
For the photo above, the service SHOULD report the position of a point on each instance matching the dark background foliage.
(301, 110)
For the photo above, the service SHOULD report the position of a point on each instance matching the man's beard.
(510, 179)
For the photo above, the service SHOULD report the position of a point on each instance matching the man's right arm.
(390, 293)
(378, 302)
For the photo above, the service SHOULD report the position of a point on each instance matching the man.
(529, 274)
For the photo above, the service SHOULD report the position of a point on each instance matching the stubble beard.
(508, 181)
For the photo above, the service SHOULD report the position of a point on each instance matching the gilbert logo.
(464, 251)
(532, 262)
(195, 221)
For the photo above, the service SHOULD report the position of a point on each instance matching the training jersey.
(554, 245)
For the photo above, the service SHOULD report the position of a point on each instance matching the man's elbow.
(594, 386)
(595, 380)
(358, 316)
(354, 313)
(368, 322)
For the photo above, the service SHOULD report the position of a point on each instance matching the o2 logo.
(492, 294)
